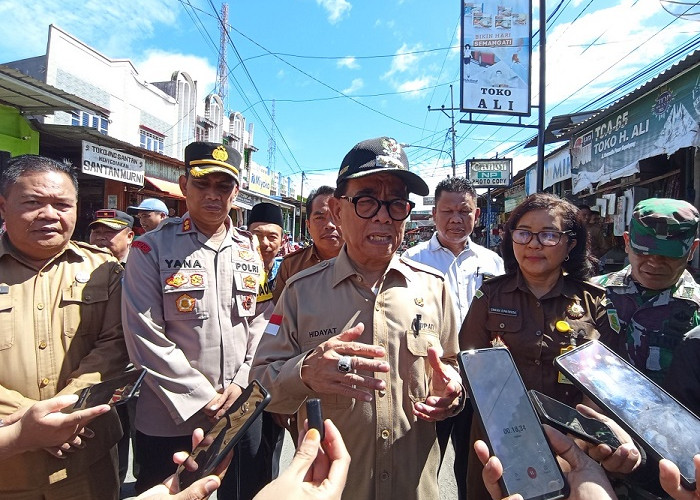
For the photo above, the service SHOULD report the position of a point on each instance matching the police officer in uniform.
(372, 335)
(190, 291)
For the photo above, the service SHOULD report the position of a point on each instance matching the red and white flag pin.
(273, 325)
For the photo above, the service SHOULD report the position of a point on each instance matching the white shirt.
(464, 272)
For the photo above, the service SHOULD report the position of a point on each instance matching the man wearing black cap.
(114, 230)
(372, 335)
(190, 292)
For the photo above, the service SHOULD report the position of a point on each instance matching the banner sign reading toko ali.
(496, 53)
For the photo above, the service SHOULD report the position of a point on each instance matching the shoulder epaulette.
(419, 266)
(92, 248)
(309, 271)
(298, 251)
(167, 222)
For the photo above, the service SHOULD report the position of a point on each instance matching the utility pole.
(542, 102)
(452, 128)
(301, 204)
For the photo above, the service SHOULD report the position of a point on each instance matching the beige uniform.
(292, 264)
(60, 331)
(394, 454)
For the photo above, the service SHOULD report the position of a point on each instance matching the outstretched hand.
(445, 390)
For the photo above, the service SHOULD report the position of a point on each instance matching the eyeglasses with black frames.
(367, 206)
(546, 238)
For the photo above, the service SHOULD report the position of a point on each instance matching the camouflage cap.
(663, 226)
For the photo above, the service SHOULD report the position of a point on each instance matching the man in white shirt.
(464, 264)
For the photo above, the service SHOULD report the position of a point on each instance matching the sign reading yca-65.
(490, 173)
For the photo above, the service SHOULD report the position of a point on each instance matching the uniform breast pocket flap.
(246, 282)
(77, 301)
(504, 323)
(183, 295)
(418, 344)
(7, 330)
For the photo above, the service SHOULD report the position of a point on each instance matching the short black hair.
(321, 191)
(25, 164)
(579, 264)
(454, 185)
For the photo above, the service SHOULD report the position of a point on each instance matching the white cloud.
(356, 85)
(587, 50)
(105, 25)
(158, 66)
(336, 9)
(404, 60)
(415, 87)
(348, 62)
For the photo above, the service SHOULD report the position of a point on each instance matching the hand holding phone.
(113, 392)
(224, 435)
(569, 420)
(513, 431)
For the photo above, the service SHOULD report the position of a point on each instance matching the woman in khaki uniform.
(545, 253)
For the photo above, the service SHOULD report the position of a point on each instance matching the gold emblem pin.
(419, 301)
(575, 310)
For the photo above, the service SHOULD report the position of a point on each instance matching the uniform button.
(44, 382)
(87, 297)
(538, 303)
(384, 476)
(502, 325)
(381, 393)
(42, 344)
(385, 434)
(538, 362)
(538, 332)
(40, 306)
(359, 278)
(376, 307)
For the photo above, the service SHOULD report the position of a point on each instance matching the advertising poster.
(496, 53)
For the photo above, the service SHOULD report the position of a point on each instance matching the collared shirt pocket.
(184, 294)
(504, 326)
(7, 332)
(83, 305)
(420, 369)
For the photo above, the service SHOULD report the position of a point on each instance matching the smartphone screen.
(568, 419)
(665, 427)
(225, 434)
(112, 392)
(512, 427)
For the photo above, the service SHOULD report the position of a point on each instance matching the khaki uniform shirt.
(394, 454)
(186, 307)
(60, 331)
(292, 264)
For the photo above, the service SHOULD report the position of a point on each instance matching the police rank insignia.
(196, 279)
(246, 255)
(185, 303)
(186, 224)
(249, 282)
(419, 301)
(176, 280)
(575, 310)
(220, 154)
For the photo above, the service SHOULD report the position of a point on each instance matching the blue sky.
(341, 71)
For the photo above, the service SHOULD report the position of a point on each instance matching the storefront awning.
(171, 188)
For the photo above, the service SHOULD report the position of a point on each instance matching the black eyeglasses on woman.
(546, 238)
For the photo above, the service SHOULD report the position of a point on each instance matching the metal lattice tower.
(222, 73)
(272, 142)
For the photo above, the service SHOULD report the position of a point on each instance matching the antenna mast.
(222, 73)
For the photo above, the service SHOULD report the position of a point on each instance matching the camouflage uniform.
(654, 323)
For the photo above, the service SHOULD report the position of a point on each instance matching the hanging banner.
(557, 168)
(661, 122)
(496, 54)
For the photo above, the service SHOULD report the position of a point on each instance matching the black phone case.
(103, 392)
(564, 492)
(689, 483)
(215, 436)
(546, 418)
(315, 416)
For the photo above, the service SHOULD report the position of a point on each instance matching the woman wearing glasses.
(545, 253)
